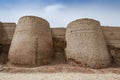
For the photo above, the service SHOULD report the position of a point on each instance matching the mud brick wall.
(59, 44)
(111, 35)
(58, 35)
(7, 31)
(7, 34)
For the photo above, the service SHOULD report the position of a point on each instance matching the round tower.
(86, 44)
(32, 42)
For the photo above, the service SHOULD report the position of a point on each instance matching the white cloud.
(53, 8)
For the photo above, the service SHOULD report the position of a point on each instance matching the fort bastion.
(56, 41)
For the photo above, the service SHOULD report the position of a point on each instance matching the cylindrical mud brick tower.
(32, 42)
(86, 44)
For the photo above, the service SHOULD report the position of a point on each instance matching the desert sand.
(58, 76)
(58, 72)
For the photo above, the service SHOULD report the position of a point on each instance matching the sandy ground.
(58, 76)
(59, 72)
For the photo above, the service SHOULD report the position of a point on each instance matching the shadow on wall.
(4, 48)
(6, 33)
(59, 44)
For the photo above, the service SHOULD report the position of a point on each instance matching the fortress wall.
(7, 35)
(58, 36)
(112, 35)
(8, 31)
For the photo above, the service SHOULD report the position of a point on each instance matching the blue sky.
(61, 12)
